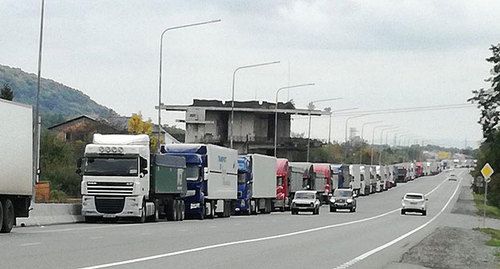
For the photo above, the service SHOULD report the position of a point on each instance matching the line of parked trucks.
(123, 178)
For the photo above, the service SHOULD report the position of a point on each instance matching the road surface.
(376, 235)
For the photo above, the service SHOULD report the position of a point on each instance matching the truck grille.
(110, 188)
(109, 205)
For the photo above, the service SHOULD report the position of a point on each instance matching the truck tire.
(9, 216)
(170, 210)
(201, 216)
(294, 212)
(155, 216)
(142, 218)
(183, 210)
(1, 214)
(332, 209)
(424, 213)
(403, 212)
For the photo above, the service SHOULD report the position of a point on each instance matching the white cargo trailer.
(16, 163)
(263, 176)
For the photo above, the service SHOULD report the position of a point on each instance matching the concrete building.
(209, 121)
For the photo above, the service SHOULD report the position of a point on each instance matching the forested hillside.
(57, 101)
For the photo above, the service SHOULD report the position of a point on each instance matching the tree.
(6, 93)
(136, 125)
(488, 100)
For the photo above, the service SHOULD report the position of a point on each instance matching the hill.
(58, 102)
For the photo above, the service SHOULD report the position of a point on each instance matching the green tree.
(6, 93)
(488, 100)
(58, 165)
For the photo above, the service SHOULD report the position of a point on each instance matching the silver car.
(305, 201)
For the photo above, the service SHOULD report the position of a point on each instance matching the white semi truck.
(121, 179)
(16, 163)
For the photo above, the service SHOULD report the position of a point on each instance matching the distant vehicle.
(401, 174)
(16, 163)
(306, 201)
(343, 199)
(414, 202)
(452, 177)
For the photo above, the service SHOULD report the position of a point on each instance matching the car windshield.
(414, 196)
(305, 195)
(342, 193)
(111, 166)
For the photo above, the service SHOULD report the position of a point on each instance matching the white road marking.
(30, 244)
(386, 245)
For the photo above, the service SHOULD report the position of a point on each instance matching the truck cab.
(282, 184)
(116, 177)
(212, 178)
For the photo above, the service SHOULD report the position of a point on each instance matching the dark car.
(343, 199)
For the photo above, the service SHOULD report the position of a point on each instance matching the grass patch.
(491, 211)
(495, 236)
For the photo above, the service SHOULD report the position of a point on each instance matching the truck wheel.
(424, 213)
(332, 209)
(183, 210)
(142, 218)
(170, 210)
(1, 214)
(294, 212)
(155, 216)
(201, 216)
(177, 211)
(402, 212)
(8, 216)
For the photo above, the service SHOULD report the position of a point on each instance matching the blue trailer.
(256, 184)
(211, 178)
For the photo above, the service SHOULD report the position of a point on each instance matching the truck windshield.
(111, 166)
(242, 178)
(192, 173)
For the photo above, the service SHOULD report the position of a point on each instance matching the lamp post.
(232, 93)
(160, 71)
(311, 107)
(347, 121)
(36, 129)
(276, 112)
(382, 141)
(362, 130)
(373, 140)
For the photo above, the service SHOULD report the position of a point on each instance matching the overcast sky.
(373, 54)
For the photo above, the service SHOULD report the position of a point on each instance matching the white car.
(414, 202)
(305, 201)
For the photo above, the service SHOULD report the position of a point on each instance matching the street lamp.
(160, 71)
(311, 107)
(232, 93)
(382, 141)
(347, 121)
(36, 133)
(373, 140)
(276, 112)
(362, 130)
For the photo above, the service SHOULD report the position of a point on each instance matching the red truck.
(282, 184)
(419, 169)
(323, 174)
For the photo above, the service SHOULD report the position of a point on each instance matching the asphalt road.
(376, 235)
